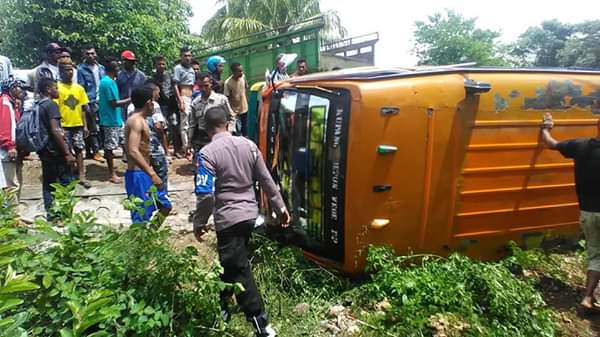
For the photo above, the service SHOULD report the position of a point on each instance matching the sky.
(394, 19)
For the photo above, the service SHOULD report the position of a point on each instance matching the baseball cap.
(54, 47)
(128, 55)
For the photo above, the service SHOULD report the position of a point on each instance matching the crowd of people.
(92, 110)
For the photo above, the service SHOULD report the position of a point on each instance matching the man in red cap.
(129, 77)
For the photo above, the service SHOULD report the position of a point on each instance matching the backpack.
(31, 135)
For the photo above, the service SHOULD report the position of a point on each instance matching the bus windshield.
(302, 135)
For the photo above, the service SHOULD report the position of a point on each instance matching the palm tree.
(237, 18)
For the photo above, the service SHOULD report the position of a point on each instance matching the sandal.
(115, 180)
(585, 311)
(86, 184)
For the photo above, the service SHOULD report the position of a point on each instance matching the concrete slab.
(106, 200)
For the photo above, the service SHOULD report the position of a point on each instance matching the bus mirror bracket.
(476, 87)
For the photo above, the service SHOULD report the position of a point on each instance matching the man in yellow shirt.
(73, 105)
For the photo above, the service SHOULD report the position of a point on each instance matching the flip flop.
(86, 184)
(586, 311)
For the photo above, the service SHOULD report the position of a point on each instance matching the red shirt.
(8, 122)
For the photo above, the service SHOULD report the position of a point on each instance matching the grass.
(286, 280)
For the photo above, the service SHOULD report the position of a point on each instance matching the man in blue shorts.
(140, 176)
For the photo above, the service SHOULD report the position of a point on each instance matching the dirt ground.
(179, 170)
(105, 197)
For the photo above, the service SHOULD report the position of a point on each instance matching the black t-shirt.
(586, 155)
(217, 85)
(48, 110)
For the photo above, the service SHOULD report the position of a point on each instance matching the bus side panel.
(510, 186)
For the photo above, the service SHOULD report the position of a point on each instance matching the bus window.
(302, 123)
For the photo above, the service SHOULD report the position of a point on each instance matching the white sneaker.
(269, 331)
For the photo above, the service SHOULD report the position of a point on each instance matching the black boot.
(262, 326)
(225, 311)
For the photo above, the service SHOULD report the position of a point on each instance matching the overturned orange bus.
(427, 160)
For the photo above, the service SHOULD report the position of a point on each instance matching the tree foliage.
(582, 49)
(557, 44)
(148, 27)
(447, 38)
(540, 46)
(237, 18)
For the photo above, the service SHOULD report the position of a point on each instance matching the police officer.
(227, 167)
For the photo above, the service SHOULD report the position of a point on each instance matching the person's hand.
(12, 154)
(181, 106)
(547, 122)
(156, 180)
(86, 132)
(199, 231)
(189, 155)
(70, 159)
(285, 218)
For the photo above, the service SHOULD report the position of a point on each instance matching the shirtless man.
(184, 78)
(140, 176)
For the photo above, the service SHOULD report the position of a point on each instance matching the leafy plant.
(97, 281)
(485, 297)
(12, 285)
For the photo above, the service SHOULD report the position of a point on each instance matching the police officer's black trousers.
(232, 245)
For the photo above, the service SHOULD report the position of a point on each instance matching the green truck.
(257, 52)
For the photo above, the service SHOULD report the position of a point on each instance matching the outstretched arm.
(547, 125)
(548, 139)
(120, 103)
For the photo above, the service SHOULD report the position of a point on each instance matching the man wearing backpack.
(10, 166)
(57, 159)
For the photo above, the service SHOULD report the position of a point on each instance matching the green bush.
(483, 299)
(97, 281)
(84, 279)
(12, 285)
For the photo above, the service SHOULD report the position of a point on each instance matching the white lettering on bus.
(335, 175)
(334, 208)
(337, 133)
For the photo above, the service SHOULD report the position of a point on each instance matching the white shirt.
(54, 71)
(157, 116)
(96, 72)
(6, 69)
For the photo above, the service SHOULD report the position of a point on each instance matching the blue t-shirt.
(109, 91)
(127, 81)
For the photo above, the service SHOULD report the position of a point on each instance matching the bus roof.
(375, 73)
